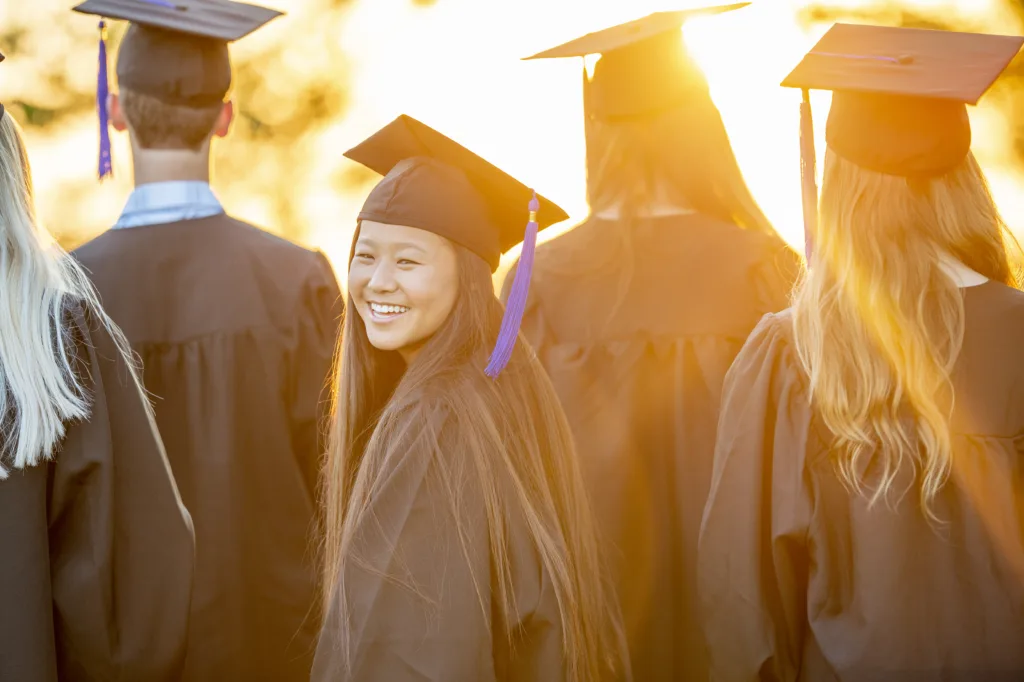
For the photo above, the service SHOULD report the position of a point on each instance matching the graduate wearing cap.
(864, 521)
(236, 330)
(459, 542)
(96, 548)
(637, 313)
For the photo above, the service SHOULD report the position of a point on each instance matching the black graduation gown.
(641, 392)
(236, 329)
(97, 549)
(416, 614)
(801, 580)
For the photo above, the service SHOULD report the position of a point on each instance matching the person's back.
(896, 593)
(864, 521)
(637, 314)
(881, 591)
(97, 555)
(236, 331)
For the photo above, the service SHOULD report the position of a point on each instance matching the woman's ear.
(224, 120)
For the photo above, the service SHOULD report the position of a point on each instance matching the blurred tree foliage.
(1007, 17)
(291, 83)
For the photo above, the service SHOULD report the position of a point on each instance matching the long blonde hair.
(879, 325)
(513, 429)
(39, 390)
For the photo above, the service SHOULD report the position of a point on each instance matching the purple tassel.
(102, 90)
(808, 175)
(516, 305)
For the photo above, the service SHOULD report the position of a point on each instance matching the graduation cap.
(175, 51)
(900, 96)
(643, 69)
(433, 183)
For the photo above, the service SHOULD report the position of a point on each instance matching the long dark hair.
(512, 429)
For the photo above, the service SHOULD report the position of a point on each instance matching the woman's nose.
(383, 279)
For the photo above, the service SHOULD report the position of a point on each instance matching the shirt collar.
(169, 202)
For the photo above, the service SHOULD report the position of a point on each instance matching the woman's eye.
(406, 261)
(364, 257)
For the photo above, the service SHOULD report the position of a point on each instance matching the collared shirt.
(169, 202)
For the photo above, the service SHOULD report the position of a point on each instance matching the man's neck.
(169, 165)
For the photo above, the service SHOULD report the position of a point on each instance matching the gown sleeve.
(320, 316)
(416, 596)
(121, 542)
(752, 558)
(775, 276)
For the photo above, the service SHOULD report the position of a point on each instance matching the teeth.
(387, 309)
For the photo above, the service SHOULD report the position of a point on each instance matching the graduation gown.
(97, 549)
(420, 607)
(236, 329)
(801, 580)
(641, 391)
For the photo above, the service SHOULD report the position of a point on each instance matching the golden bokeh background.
(330, 72)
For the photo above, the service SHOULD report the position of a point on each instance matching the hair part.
(158, 125)
(879, 325)
(512, 429)
(40, 390)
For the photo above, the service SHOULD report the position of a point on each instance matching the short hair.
(158, 125)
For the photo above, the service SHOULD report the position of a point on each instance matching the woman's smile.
(382, 313)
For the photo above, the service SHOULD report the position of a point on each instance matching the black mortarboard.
(175, 50)
(433, 183)
(644, 68)
(900, 99)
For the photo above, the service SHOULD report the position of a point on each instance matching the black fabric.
(179, 53)
(221, 20)
(643, 79)
(631, 33)
(97, 559)
(903, 136)
(803, 580)
(446, 628)
(174, 67)
(638, 367)
(912, 62)
(900, 93)
(644, 69)
(432, 196)
(236, 329)
(434, 183)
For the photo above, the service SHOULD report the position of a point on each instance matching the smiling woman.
(403, 282)
(460, 544)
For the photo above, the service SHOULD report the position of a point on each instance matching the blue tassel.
(516, 305)
(808, 175)
(106, 167)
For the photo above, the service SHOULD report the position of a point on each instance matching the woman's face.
(404, 283)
